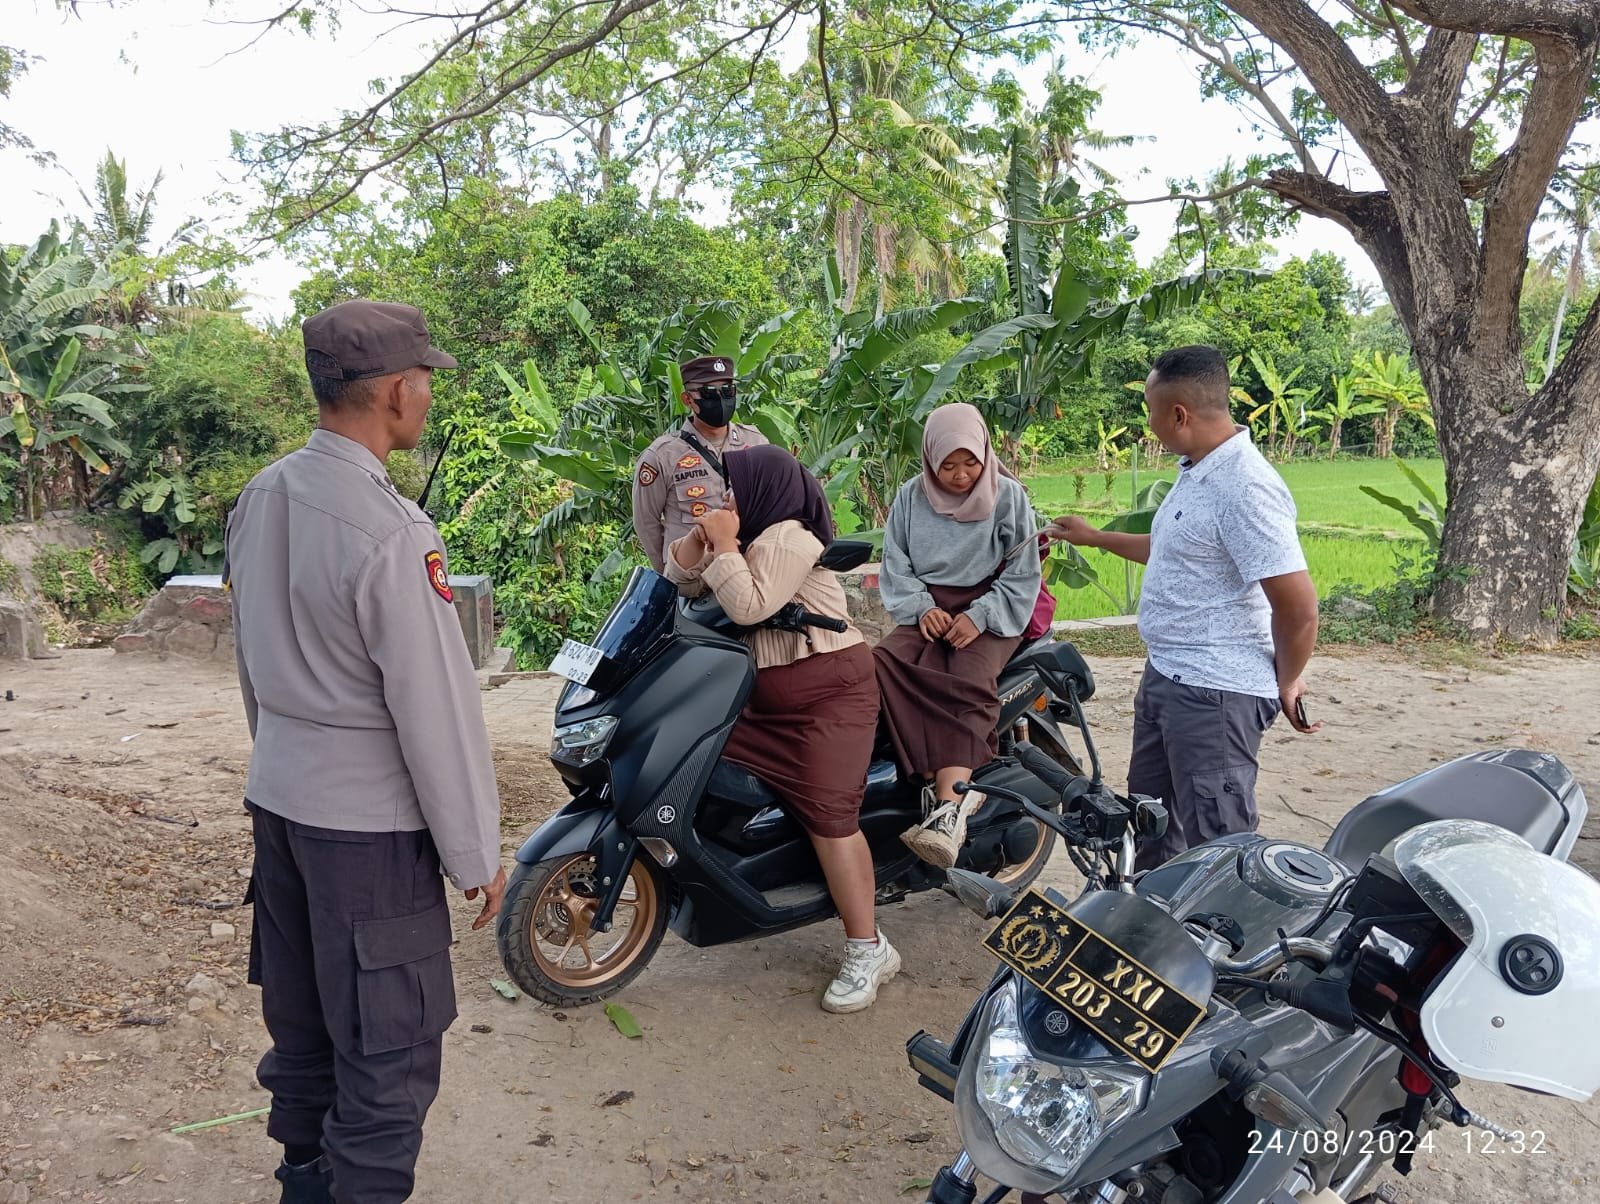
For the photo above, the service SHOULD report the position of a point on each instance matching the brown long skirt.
(941, 702)
(807, 732)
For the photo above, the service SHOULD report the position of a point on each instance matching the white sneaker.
(939, 837)
(865, 969)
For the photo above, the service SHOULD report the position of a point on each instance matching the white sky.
(154, 80)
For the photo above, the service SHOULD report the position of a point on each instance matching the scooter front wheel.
(546, 935)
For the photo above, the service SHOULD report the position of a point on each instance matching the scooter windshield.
(637, 624)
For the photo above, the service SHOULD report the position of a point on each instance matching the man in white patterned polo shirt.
(1228, 611)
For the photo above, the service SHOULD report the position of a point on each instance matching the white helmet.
(1514, 1006)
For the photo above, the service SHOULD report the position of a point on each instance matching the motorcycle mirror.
(1276, 1100)
(978, 893)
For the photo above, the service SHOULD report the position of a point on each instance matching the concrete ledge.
(191, 617)
(21, 636)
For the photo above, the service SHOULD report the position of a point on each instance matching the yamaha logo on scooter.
(666, 813)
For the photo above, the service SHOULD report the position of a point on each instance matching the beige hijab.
(953, 428)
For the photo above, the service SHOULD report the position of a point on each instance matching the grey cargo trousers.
(1196, 749)
(350, 945)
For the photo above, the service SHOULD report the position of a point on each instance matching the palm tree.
(119, 233)
(1578, 215)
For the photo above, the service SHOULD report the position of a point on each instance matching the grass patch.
(1106, 641)
(1326, 492)
(1353, 545)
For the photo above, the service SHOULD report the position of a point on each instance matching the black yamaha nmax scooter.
(661, 832)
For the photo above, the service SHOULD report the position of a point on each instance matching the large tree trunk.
(1450, 240)
(1515, 487)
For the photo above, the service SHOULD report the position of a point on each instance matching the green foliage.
(496, 274)
(491, 507)
(1069, 567)
(1426, 515)
(224, 400)
(1583, 577)
(61, 376)
(98, 583)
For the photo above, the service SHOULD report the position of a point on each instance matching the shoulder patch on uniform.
(437, 578)
(647, 475)
(689, 461)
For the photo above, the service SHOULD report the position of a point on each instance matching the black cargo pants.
(1196, 749)
(351, 948)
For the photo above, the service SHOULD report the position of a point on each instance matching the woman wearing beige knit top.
(808, 729)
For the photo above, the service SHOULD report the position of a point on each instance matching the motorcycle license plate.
(576, 662)
(1098, 983)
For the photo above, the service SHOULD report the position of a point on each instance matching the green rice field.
(1348, 537)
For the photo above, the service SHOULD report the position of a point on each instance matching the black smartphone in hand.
(1300, 712)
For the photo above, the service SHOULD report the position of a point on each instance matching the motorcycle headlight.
(1029, 1122)
(580, 743)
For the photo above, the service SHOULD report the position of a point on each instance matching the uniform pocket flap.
(401, 939)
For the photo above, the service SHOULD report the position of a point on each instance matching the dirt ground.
(120, 785)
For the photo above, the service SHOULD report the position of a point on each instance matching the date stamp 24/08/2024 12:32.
(1387, 1143)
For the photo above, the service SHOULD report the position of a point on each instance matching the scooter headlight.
(580, 743)
(1029, 1122)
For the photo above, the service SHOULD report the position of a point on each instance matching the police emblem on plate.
(437, 578)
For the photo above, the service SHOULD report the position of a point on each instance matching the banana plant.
(1426, 515)
(1394, 384)
(1344, 406)
(1057, 327)
(1584, 572)
(59, 372)
(631, 396)
(1285, 406)
(1067, 566)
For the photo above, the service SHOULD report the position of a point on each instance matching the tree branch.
(1438, 76)
(1370, 218)
(1555, 102)
(1338, 76)
(1539, 22)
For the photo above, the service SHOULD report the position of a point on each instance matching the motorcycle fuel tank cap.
(1292, 873)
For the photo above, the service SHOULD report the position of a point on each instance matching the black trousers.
(1196, 750)
(351, 948)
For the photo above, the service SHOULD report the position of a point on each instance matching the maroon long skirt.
(941, 702)
(807, 732)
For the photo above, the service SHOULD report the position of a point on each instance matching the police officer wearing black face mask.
(680, 476)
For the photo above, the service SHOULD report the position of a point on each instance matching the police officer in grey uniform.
(370, 771)
(680, 475)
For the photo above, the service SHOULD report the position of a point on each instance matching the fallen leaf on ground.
(623, 1019)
